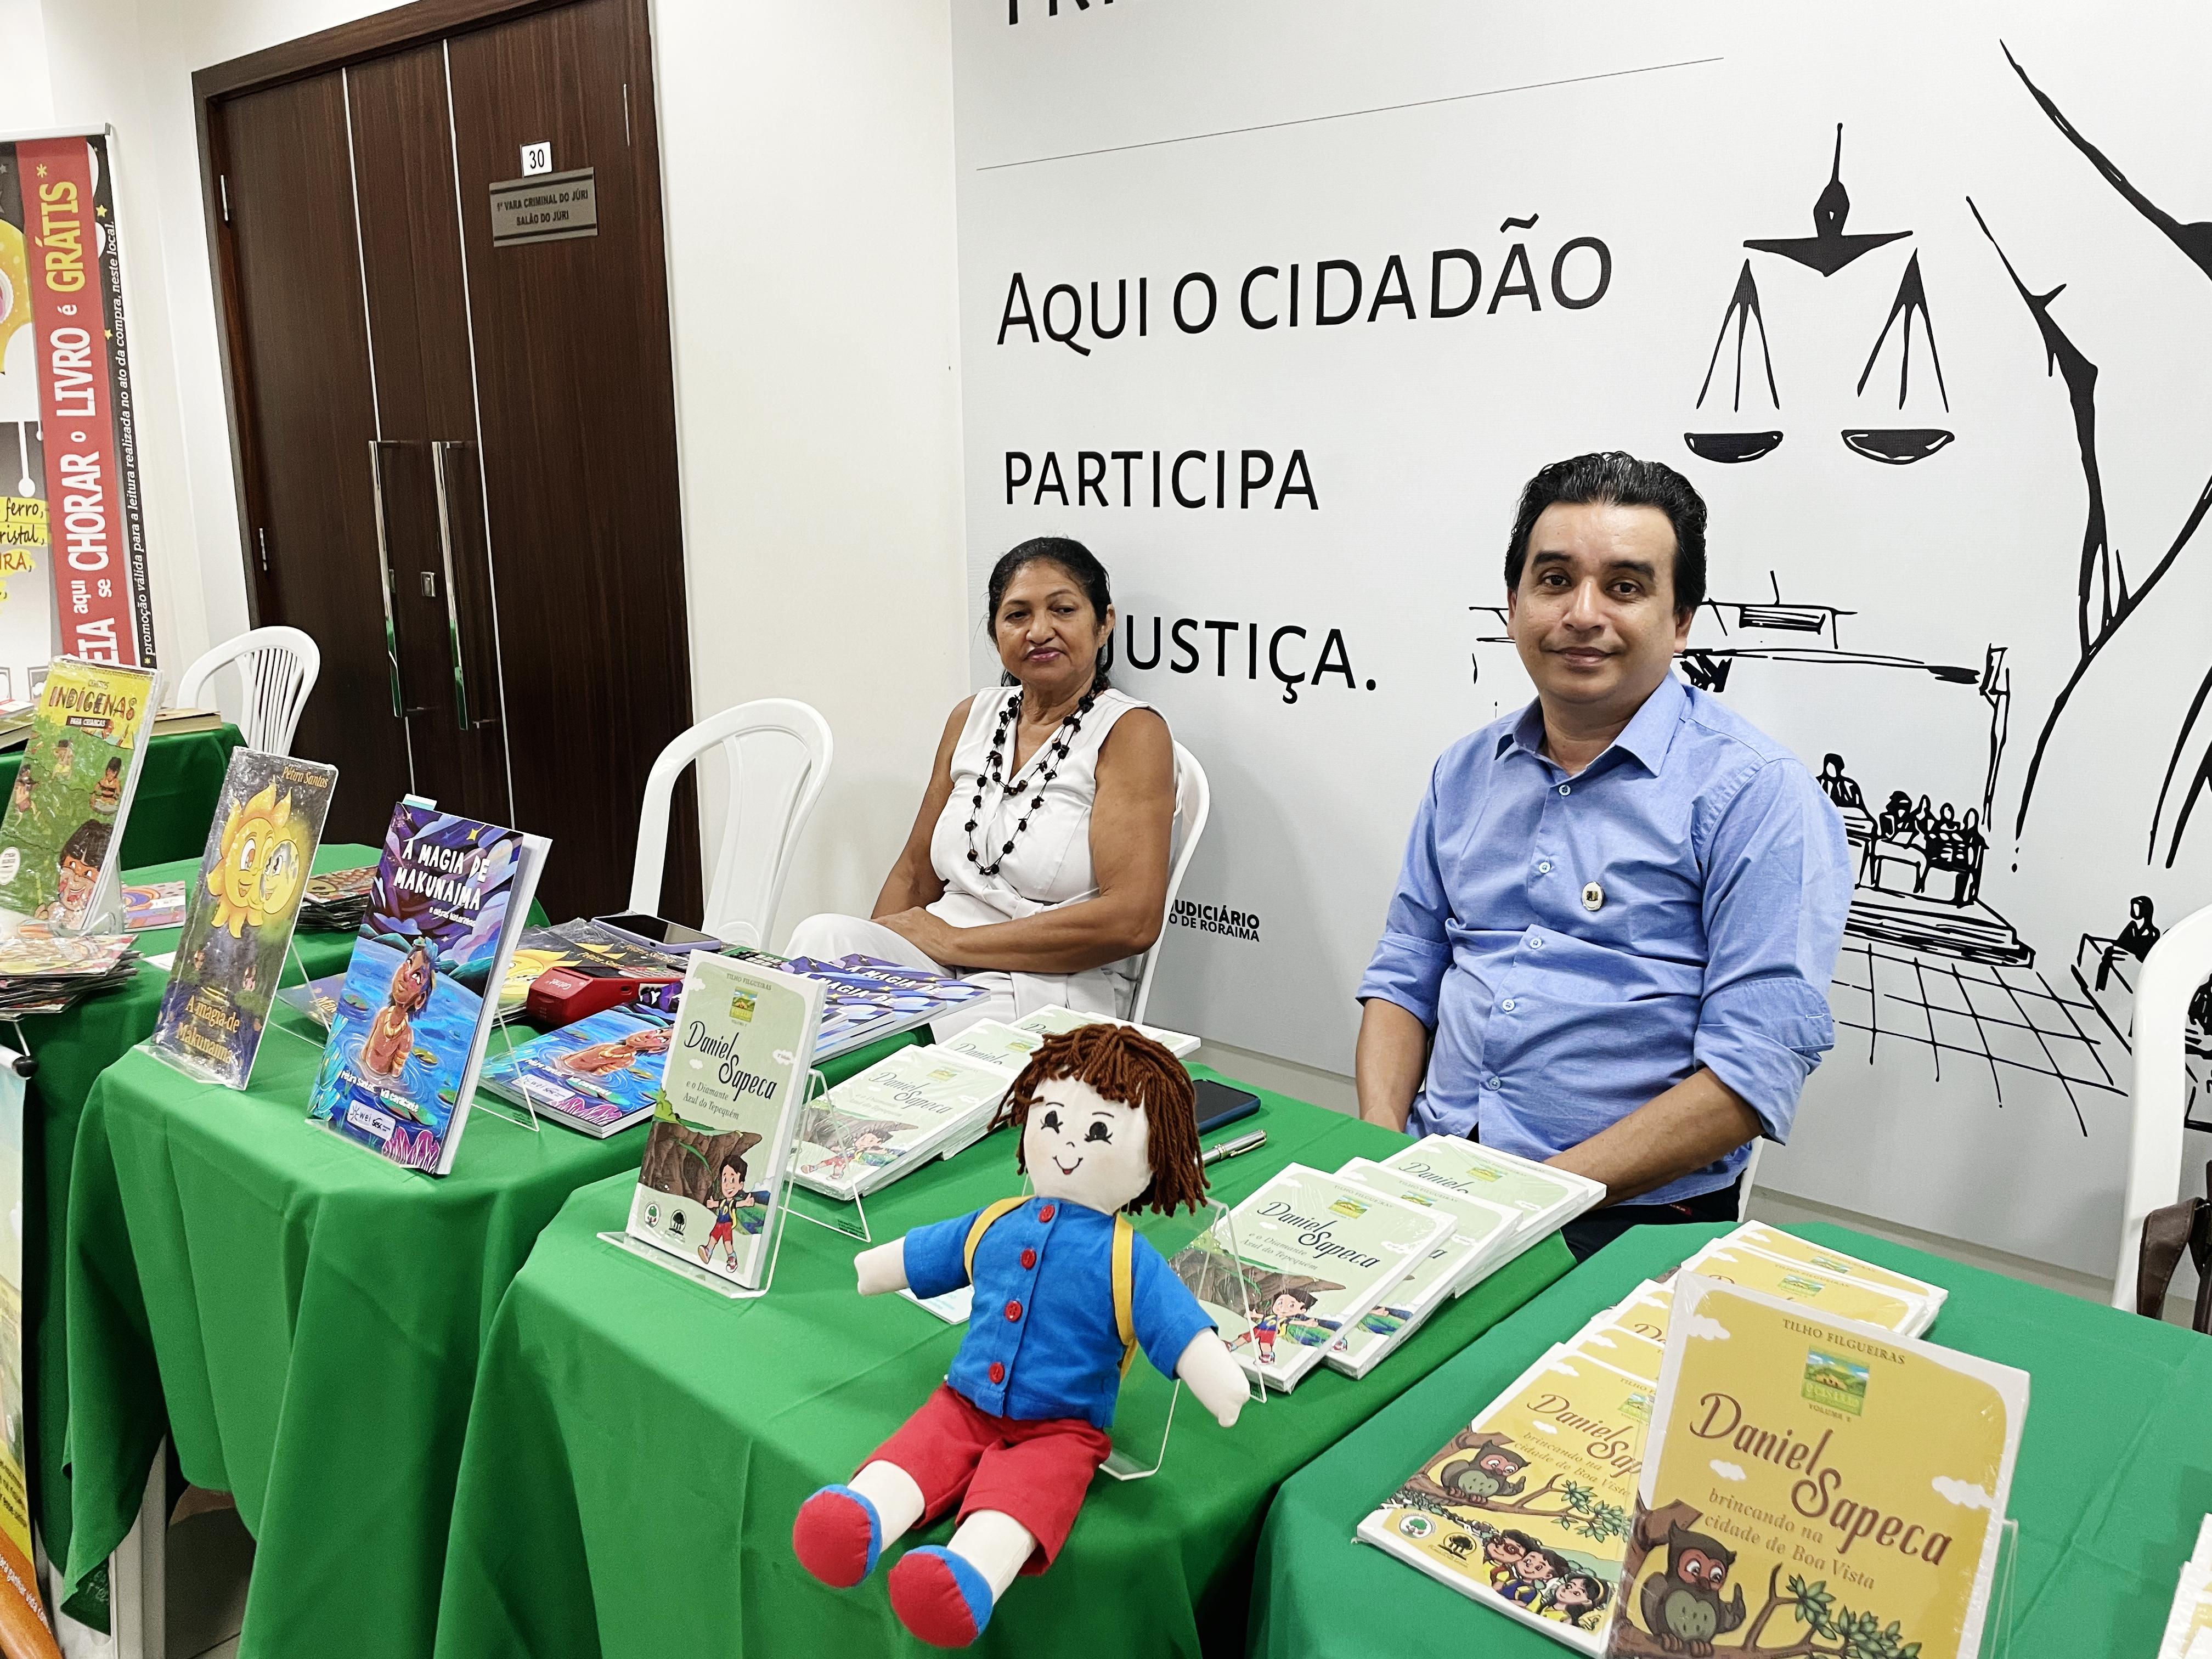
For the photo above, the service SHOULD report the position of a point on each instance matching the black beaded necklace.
(1048, 756)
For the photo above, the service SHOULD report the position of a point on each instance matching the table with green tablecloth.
(2114, 1473)
(302, 1318)
(72, 1049)
(638, 1445)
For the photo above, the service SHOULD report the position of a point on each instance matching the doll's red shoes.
(938, 1597)
(837, 1537)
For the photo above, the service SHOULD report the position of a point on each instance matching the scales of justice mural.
(2022, 777)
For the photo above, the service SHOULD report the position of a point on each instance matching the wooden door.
(426, 417)
(574, 387)
(305, 414)
(494, 425)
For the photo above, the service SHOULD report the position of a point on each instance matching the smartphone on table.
(659, 932)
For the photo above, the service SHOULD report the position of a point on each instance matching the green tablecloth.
(638, 1445)
(2115, 1469)
(303, 1319)
(175, 798)
(73, 1048)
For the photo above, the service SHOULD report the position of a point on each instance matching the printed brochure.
(1314, 1253)
(242, 908)
(399, 1069)
(1809, 1478)
(1525, 1510)
(712, 1176)
(63, 833)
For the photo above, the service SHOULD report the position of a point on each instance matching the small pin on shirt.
(1592, 896)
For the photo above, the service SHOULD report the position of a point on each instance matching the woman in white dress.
(1038, 863)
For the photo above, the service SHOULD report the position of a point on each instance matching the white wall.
(808, 158)
(808, 155)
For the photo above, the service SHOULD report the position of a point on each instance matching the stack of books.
(42, 972)
(2189, 1626)
(598, 1076)
(153, 904)
(1341, 1269)
(868, 998)
(926, 1103)
(1598, 1461)
(337, 900)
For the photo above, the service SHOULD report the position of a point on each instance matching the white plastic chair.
(1193, 802)
(278, 666)
(2177, 965)
(779, 752)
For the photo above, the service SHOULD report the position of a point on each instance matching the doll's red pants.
(1036, 1471)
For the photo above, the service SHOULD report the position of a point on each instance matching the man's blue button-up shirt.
(1721, 879)
(1042, 1341)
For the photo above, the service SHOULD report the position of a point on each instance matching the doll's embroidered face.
(1081, 1146)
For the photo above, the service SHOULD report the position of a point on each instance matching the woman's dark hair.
(1615, 479)
(1069, 554)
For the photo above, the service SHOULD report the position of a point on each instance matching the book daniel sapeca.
(713, 1175)
(61, 837)
(884, 1122)
(240, 912)
(1526, 1508)
(421, 994)
(1809, 1478)
(1312, 1254)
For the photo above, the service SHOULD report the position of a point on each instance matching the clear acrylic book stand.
(1140, 1450)
(302, 1028)
(817, 1086)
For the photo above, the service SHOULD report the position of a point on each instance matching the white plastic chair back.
(1750, 1176)
(2177, 965)
(277, 665)
(1193, 802)
(778, 752)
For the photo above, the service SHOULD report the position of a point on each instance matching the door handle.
(376, 448)
(462, 704)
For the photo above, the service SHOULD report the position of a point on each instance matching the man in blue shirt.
(1610, 945)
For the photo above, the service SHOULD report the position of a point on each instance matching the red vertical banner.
(68, 255)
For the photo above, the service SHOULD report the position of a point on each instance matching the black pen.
(1232, 1148)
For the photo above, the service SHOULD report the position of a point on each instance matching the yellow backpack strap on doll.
(1125, 1288)
(982, 1225)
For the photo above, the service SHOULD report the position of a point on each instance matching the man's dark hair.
(1616, 479)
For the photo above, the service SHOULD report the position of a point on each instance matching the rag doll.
(1065, 1293)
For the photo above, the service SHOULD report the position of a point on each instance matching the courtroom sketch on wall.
(2106, 600)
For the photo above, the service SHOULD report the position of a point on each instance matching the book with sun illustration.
(420, 997)
(1814, 1486)
(240, 912)
(723, 1123)
(1310, 1255)
(61, 837)
(1547, 1197)
(1526, 1509)
(1481, 1230)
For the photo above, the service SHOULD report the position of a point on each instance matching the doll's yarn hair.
(1121, 1063)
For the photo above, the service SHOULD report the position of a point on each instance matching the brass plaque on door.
(550, 208)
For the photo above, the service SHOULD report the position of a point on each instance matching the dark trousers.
(1591, 1231)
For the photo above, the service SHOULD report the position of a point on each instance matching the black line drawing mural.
(2106, 600)
(1735, 446)
(1829, 248)
(2110, 994)
(1902, 446)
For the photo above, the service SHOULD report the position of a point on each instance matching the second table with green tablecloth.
(302, 1318)
(639, 1445)
(73, 1048)
(2114, 1472)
